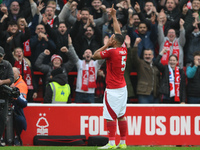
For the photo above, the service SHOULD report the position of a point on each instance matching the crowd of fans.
(58, 36)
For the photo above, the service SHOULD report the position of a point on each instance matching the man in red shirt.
(115, 96)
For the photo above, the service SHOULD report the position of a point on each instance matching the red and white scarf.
(50, 22)
(167, 45)
(26, 72)
(174, 82)
(27, 48)
(88, 76)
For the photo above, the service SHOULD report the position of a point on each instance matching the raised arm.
(116, 26)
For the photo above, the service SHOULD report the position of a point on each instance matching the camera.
(10, 92)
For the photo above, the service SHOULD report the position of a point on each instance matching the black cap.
(57, 71)
(1, 51)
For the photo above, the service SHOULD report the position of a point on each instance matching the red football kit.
(116, 64)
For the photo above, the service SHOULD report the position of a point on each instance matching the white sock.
(112, 142)
(122, 142)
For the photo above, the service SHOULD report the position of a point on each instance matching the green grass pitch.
(91, 148)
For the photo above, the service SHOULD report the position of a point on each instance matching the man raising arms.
(115, 96)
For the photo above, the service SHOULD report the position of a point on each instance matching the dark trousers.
(3, 115)
(84, 98)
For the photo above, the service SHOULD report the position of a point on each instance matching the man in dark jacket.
(89, 35)
(57, 91)
(59, 36)
(193, 74)
(39, 43)
(12, 38)
(6, 78)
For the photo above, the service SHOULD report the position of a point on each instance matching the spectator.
(20, 103)
(134, 21)
(56, 61)
(122, 12)
(59, 36)
(16, 11)
(83, 16)
(57, 91)
(86, 78)
(39, 43)
(12, 38)
(147, 75)
(172, 12)
(53, 20)
(172, 85)
(146, 15)
(149, 37)
(21, 22)
(192, 43)
(192, 72)
(24, 66)
(89, 35)
(171, 43)
(97, 9)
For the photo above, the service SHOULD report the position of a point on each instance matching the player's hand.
(47, 52)
(137, 41)
(110, 41)
(112, 11)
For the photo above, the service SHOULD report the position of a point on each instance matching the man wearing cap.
(57, 91)
(6, 78)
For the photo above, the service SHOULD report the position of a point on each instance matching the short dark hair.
(142, 23)
(197, 53)
(12, 23)
(173, 56)
(85, 9)
(119, 38)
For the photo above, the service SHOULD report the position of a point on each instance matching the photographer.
(6, 78)
(19, 103)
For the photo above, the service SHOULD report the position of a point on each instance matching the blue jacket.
(148, 40)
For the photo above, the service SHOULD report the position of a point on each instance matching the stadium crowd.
(56, 37)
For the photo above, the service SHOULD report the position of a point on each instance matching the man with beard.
(147, 73)
(86, 78)
(89, 35)
(149, 37)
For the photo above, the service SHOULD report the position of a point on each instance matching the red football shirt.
(115, 64)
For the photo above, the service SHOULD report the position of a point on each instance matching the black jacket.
(59, 39)
(79, 37)
(194, 85)
(60, 79)
(164, 84)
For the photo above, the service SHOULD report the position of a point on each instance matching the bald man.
(19, 82)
